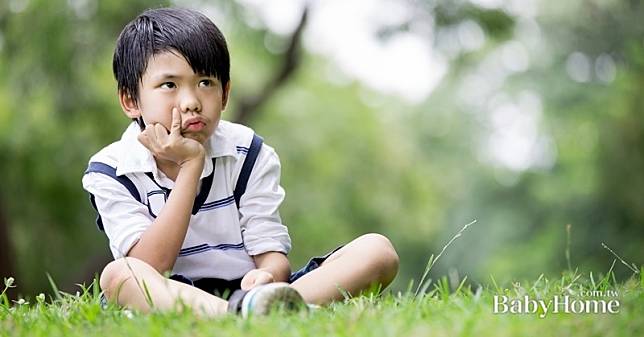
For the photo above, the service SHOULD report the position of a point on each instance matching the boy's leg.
(370, 259)
(125, 278)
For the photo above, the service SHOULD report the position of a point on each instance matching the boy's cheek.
(166, 119)
(166, 122)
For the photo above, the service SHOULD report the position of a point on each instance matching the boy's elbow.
(160, 262)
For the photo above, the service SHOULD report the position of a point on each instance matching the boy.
(187, 193)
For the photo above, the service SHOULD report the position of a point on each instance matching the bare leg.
(368, 260)
(123, 281)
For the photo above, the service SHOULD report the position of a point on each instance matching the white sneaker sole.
(271, 297)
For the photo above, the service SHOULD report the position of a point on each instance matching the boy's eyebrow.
(166, 76)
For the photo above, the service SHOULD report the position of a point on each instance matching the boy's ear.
(225, 95)
(129, 105)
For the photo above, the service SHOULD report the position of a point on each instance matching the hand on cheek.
(171, 145)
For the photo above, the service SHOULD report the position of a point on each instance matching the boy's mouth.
(193, 125)
(196, 126)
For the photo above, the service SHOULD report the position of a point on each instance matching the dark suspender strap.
(109, 171)
(166, 191)
(99, 221)
(204, 191)
(247, 168)
(97, 167)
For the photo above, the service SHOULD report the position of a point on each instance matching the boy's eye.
(205, 83)
(168, 85)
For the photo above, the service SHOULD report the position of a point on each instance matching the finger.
(143, 139)
(160, 133)
(157, 134)
(263, 279)
(147, 134)
(247, 282)
(176, 122)
(160, 130)
(149, 141)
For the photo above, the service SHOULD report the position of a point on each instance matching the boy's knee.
(116, 273)
(385, 259)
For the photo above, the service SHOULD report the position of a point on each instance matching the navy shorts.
(313, 264)
(224, 288)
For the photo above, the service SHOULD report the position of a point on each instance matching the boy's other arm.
(271, 267)
(265, 237)
(276, 263)
(159, 245)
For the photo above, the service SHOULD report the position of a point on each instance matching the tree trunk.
(6, 252)
(248, 106)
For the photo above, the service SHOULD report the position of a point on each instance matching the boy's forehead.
(168, 64)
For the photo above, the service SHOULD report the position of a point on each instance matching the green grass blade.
(57, 294)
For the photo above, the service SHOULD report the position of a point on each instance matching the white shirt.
(220, 239)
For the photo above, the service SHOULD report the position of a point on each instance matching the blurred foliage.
(354, 160)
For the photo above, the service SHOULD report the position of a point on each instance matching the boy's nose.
(190, 102)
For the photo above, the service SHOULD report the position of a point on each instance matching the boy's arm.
(271, 267)
(266, 239)
(159, 245)
(261, 225)
(274, 263)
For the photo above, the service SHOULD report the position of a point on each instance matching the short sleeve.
(124, 218)
(262, 228)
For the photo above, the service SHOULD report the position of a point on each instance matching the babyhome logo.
(559, 304)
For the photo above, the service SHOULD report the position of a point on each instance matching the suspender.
(249, 162)
(240, 187)
(110, 172)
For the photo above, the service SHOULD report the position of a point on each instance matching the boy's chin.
(198, 137)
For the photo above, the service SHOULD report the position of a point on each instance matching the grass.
(441, 308)
(440, 311)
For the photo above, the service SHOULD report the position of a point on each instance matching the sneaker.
(271, 297)
(313, 307)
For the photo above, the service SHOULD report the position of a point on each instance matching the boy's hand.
(256, 277)
(173, 146)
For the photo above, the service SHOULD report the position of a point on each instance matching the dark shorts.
(313, 264)
(224, 288)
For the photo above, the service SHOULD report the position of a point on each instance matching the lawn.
(439, 310)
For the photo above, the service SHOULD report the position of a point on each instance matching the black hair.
(165, 29)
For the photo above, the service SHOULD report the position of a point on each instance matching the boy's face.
(170, 82)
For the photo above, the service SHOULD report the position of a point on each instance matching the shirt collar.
(136, 158)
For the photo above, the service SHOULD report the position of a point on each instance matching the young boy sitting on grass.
(187, 194)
